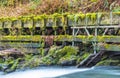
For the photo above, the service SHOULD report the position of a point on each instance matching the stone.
(12, 52)
(68, 62)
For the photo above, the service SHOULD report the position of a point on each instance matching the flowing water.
(65, 72)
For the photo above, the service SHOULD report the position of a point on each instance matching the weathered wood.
(111, 54)
(37, 38)
(91, 60)
(10, 52)
(85, 61)
(97, 58)
(107, 26)
(21, 45)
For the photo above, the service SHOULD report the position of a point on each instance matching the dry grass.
(59, 6)
(14, 12)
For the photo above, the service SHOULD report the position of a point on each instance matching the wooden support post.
(73, 37)
(87, 31)
(77, 32)
(95, 42)
(105, 31)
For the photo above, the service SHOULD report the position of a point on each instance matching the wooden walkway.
(93, 59)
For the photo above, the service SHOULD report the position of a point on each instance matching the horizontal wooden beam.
(109, 47)
(21, 44)
(23, 38)
(109, 26)
(81, 38)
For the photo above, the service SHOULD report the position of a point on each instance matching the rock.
(11, 52)
(0, 67)
(47, 60)
(68, 63)
(65, 56)
(10, 66)
(1, 48)
(3, 67)
(68, 60)
(46, 51)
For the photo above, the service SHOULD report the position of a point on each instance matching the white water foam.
(43, 73)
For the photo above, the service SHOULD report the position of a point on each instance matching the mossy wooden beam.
(21, 38)
(80, 38)
(90, 38)
(21, 44)
(79, 18)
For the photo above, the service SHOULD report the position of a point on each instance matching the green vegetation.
(109, 62)
(17, 15)
(55, 56)
(38, 38)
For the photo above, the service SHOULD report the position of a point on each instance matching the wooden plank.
(1, 25)
(81, 38)
(21, 38)
(107, 26)
(92, 59)
(21, 45)
(28, 24)
(90, 38)
(8, 24)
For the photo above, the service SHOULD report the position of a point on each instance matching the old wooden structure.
(102, 30)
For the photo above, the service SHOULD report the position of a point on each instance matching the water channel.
(65, 72)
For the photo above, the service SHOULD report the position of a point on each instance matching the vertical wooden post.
(73, 43)
(95, 41)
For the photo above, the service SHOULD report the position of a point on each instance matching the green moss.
(93, 0)
(68, 58)
(57, 54)
(47, 60)
(9, 60)
(82, 57)
(56, 15)
(15, 64)
(93, 17)
(30, 61)
(62, 38)
(82, 16)
(42, 52)
(71, 17)
(79, 17)
(108, 62)
(22, 37)
(53, 49)
(1, 60)
(64, 17)
(88, 15)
